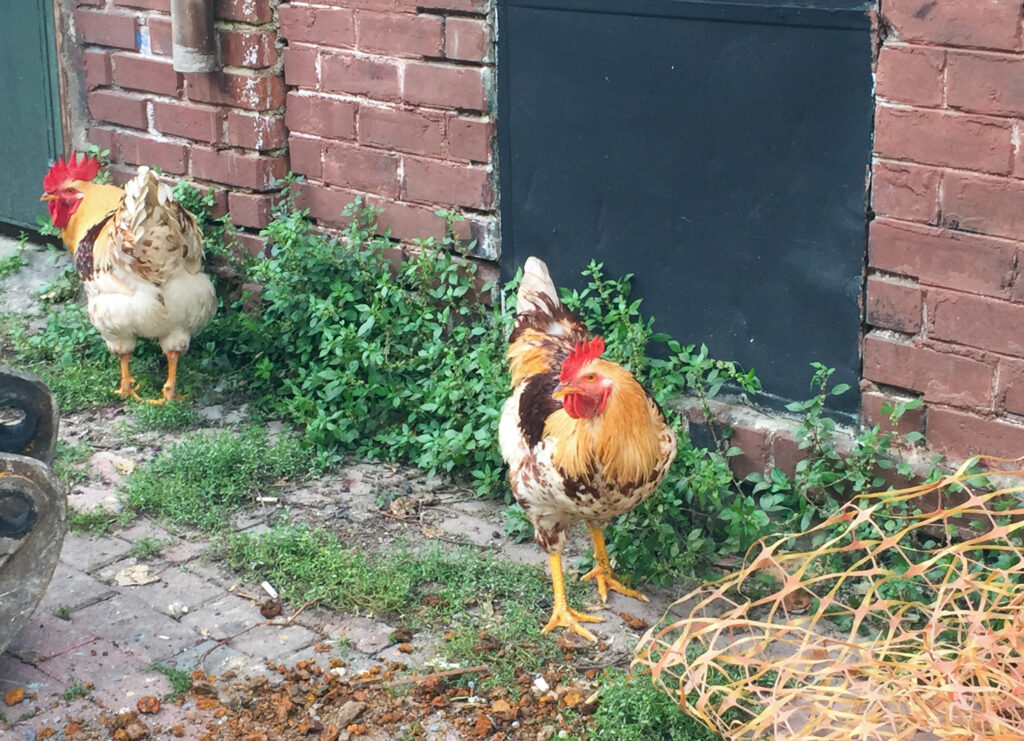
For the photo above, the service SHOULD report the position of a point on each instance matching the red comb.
(85, 168)
(582, 354)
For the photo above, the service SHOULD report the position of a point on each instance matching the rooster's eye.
(589, 378)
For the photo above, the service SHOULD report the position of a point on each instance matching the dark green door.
(30, 115)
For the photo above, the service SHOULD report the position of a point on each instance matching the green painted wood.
(30, 129)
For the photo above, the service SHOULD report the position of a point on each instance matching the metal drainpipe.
(192, 34)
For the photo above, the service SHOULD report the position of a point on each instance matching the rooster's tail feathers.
(537, 291)
(538, 307)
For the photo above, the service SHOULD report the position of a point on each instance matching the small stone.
(148, 705)
(14, 695)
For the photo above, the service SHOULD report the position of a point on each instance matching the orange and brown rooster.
(139, 254)
(583, 440)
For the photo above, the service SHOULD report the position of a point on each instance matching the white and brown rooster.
(583, 440)
(140, 256)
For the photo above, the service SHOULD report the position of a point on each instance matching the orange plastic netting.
(899, 618)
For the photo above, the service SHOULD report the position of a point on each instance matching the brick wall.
(944, 297)
(223, 129)
(391, 100)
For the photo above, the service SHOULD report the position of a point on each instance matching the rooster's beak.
(48, 197)
(562, 391)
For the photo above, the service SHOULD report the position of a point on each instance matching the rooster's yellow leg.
(127, 387)
(603, 573)
(172, 379)
(563, 616)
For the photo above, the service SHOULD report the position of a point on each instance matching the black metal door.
(30, 118)
(719, 151)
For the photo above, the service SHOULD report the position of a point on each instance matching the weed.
(70, 463)
(63, 612)
(145, 548)
(171, 417)
(179, 679)
(76, 690)
(12, 263)
(517, 525)
(94, 521)
(633, 709)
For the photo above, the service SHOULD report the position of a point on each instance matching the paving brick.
(46, 636)
(16, 673)
(364, 634)
(274, 642)
(74, 588)
(177, 586)
(137, 628)
(216, 659)
(183, 551)
(224, 617)
(88, 552)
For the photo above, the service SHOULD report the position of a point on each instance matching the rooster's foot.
(128, 389)
(564, 616)
(611, 582)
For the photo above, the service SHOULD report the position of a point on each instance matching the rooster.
(582, 439)
(139, 254)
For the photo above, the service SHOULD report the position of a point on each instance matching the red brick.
(940, 376)
(128, 109)
(256, 131)
(445, 86)
(248, 49)
(106, 29)
(250, 209)
(910, 74)
(252, 92)
(249, 11)
(986, 83)
(160, 38)
(142, 149)
(755, 446)
(785, 452)
(300, 66)
(463, 6)
(102, 137)
(940, 257)
(325, 204)
(233, 168)
(975, 321)
(322, 26)
(871, 402)
(905, 191)
(1010, 387)
(162, 5)
(400, 33)
(90, 2)
(947, 139)
(252, 244)
(199, 122)
(350, 166)
(321, 116)
(305, 156)
(407, 222)
(893, 304)
(988, 24)
(961, 435)
(344, 73)
(403, 130)
(433, 182)
(470, 139)
(147, 74)
(98, 69)
(466, 39)
(983, 204)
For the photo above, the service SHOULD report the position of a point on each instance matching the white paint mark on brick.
(143, 40)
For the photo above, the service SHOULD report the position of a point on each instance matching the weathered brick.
(128, 109)
(106, 28)
(142, 149)
(470, 139)
(250, 209)
(947, 139)
(252, 244)
(407, 222)
(192, 121)
(256, 172)
(349, 166)
(375, 78)
(960, 434)
(249, 11)
(402, 130)
(306, 156)
(148, 74)
(910, 74)
(1010, 387)
(466, 39)
(871, 403)
(320, 115)
(400, 33)
(160, 38)
(314, 25)
(988, 24)
(432, 84)
(754, 443)
(463, 6)
(905, 191)
(301, 66)
(986, 83)
(98, 69)
(983, 204)
(252, 49)
(325, 204)
(942, 377)
(940, 257)
(252, 92)
(785, 452)
(975, 321)
(435, 182)
(893, 304)
(103, 137)
(258, 131)
(163, 6)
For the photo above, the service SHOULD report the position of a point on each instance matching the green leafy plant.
(12, 263)
(75, 690)
(631, 708)
(179, 679)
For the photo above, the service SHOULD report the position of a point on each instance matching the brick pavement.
(114, 634)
